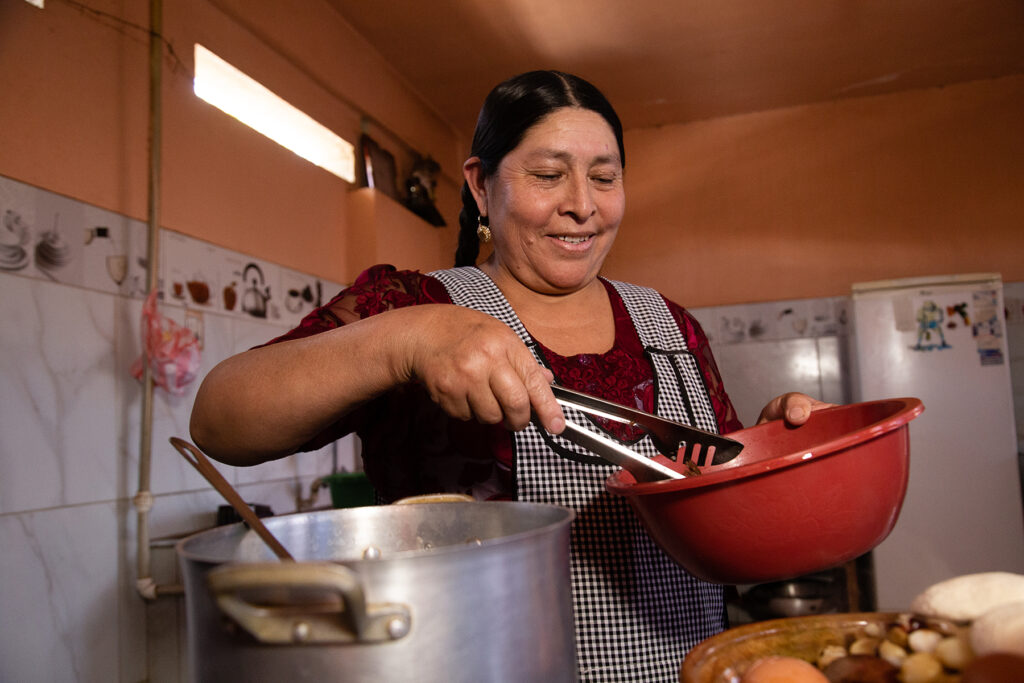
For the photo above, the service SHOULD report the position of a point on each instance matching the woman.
(391, 359)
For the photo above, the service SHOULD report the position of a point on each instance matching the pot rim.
(560, 517)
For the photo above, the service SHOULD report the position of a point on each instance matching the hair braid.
(469, 243)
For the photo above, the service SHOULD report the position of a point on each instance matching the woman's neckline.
(614, 304)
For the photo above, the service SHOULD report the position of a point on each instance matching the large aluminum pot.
(428, 592)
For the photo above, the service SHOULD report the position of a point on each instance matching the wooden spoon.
(213, 475)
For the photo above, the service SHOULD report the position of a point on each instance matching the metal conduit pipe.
(143, 500)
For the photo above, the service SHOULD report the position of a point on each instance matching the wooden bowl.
(725, 657)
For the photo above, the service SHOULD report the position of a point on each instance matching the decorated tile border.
(775, 320)
(48, 236)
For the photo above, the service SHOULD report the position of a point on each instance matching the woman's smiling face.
(555, 202)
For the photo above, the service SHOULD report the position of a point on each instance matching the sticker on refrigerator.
(955, 312)
(929, 328)
(987, 327)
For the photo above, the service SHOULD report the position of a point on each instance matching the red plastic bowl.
(796, 500)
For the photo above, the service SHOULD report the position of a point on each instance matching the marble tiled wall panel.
(60, 596)
(71, 408)
(69, 431)
(69, 467)
(58, 424)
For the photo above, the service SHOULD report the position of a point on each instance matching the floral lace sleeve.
(378, 289)
(697, 341)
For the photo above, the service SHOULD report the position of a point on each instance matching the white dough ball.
(1001, 629)
(967, 597)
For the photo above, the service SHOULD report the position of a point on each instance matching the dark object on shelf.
(227, 515)
(379, 167)
(419, 190)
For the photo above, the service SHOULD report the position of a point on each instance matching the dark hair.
(509, 111)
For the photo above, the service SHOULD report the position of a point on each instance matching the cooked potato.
(954, 652)
(920, 667)
(891, 652)
(898, 635)
(923, 640)
(864, 646)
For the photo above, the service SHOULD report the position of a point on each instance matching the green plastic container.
(350, 490)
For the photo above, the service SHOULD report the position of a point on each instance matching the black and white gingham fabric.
(637, 612)
(666, 348)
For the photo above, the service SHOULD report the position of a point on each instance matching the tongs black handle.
(668, 437)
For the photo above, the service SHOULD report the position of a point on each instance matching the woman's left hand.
(794, 407)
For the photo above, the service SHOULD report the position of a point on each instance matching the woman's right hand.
(476, 368)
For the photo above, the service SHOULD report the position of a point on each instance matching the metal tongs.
(672, 439)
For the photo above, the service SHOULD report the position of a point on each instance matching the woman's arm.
(267, 402)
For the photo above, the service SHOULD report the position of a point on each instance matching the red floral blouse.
(409, 446)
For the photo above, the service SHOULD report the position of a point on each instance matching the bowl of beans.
(870, 647)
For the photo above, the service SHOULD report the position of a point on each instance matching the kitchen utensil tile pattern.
(45, 235)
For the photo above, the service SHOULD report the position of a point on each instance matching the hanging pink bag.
(171, 350)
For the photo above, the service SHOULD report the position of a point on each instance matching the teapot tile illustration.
(256, 292)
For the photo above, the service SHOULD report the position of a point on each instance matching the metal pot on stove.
(802, 596)
(427, 592)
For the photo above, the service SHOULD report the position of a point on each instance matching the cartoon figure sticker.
(929, 328)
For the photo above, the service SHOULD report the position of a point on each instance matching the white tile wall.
(58, 385)
(69, 444)
(60, 599)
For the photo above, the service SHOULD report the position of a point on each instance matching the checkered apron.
(637, 612)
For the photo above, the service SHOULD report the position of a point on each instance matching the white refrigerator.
(943, 340)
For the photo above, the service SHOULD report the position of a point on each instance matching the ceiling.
(675, 61)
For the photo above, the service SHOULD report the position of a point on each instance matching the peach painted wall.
(791, 203)
(80, 125)
(802, 202)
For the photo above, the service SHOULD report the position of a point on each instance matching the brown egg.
(998, 667)
(783, 670)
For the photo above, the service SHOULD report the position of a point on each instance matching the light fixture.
(235, 93)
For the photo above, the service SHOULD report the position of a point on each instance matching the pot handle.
(323, 603)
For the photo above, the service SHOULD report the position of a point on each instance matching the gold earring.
(483, 232)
